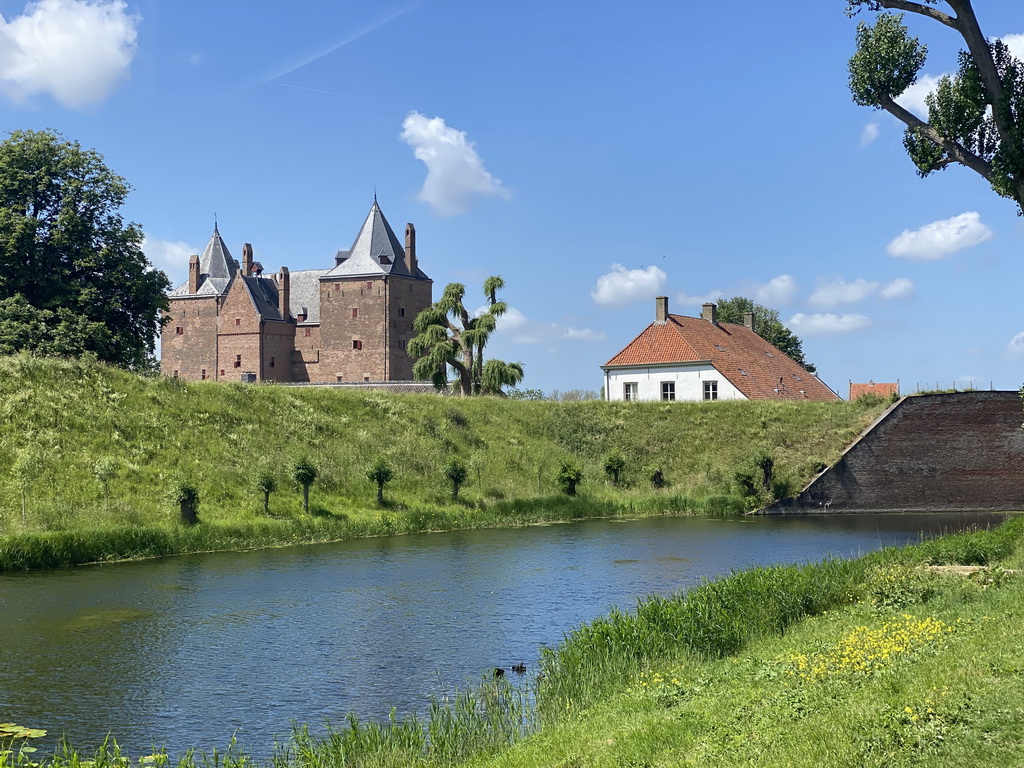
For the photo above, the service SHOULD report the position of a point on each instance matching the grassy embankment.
(869, 662)
(61, 421)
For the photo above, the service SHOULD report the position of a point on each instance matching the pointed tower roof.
(376, 251)
(216, 269)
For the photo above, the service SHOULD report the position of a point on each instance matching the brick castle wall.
(946, 452)
(188, 353)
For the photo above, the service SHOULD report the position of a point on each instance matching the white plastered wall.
(688, 378)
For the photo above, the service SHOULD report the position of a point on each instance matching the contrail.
(350, 39)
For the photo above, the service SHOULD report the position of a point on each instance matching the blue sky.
(594, 154)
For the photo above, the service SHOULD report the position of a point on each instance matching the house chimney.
(193, 273)
(283, 291)
(748, 320)
(247, 259)
(410, 248)
(661, 310)
(709, 313)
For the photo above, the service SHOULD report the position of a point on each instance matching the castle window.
(401, 344)
(369, 286)
(238, 321)
(202, 375)
(356, 344)
(179, 330)
(309, 331)
(355, 311)
(337, 286)
(401, 311)
(668, 390)
(271, 362)
(238, 361)
(710, 390)
(175, 374)
(222, 373)
(366, 378)
(338, 379)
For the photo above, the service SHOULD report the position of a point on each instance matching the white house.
(698, 358)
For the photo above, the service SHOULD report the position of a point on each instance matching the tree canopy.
(975, 116)
(449, 336)
(766, 325)
(73, 277)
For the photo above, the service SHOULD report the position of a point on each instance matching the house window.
(179, 330)
(238, 361)
(309, 331)
(356, 344)
(202, 375)
(355, 311)
(271, 362)
(630, 390)
(668, 390)
(710, 390)
(238, 321)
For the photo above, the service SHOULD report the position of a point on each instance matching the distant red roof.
(752, 365)
(874, 388)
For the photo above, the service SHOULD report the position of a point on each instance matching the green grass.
(89, 453)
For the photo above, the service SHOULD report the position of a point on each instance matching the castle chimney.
(748, 320)
(709, 313)
(661, 310)
(410, 248)
(283, 292)
(247, 259)
(193, 273)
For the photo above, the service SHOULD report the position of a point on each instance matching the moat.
(185, 651)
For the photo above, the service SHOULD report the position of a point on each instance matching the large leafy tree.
(766, 325)
(975, 116)
(451, 337)
(70, 267)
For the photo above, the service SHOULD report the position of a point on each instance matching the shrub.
(186, 496)
(456, 473)
(613, 466)
(655, 476)
(569, 475)
(380, 472)
(304, 473)
(266, 484)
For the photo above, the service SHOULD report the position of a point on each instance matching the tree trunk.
(571, 490)
(266, 502)
(188, 513)
(305, 499)
(380, 494)
(455, 490)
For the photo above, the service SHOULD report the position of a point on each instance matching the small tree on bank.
(569, 476)
(186, 496)
(304, 473)
(456, 473)
(380, 472)
(613, 466)
(266, 484)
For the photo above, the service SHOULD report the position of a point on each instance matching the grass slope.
(60, 421)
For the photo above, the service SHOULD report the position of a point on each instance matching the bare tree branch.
(923, 10)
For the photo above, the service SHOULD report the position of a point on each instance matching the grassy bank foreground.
(88, 455)
(877, 661)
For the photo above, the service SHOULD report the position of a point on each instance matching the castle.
(348, 323)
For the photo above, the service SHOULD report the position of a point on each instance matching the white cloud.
(869, 134)
(696, 301)
(940, 238)
(913, 98)
(820, 325)
(512, 320)
(172, 257)
(778, 290)
(621, 287)
(840, 292)
(898, 288)
(1016, 45)
(584, 334)
(455, 172)
(1015, 347)
(74, 50)
(525, 339)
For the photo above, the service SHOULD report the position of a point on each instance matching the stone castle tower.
(348, 323)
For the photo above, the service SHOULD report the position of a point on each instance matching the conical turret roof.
(376, 250)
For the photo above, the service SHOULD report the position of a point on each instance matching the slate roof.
(752, 365)
(304, 293)
(263, 293)
(376, 251)
(216, 269)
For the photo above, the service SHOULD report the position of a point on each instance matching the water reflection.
(184, 651)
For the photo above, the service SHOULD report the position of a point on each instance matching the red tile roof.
(874, 388)
(751, 364)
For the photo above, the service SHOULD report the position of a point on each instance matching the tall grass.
(87, 447)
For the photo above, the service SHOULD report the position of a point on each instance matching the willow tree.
(451, 337)
(975, 116)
